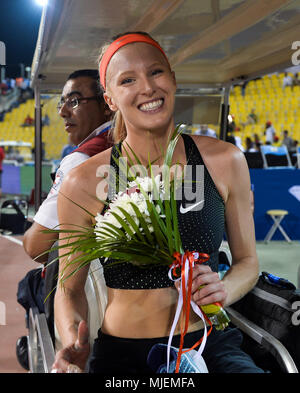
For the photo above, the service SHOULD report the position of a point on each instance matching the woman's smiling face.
(141, 85)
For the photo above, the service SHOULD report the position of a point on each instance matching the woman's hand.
(213, 288)
(73, 358)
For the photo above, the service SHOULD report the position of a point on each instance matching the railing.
(41, 351)
(40, 347)
(262, 337)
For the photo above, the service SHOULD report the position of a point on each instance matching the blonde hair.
(118, 130)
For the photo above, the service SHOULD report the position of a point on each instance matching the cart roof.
(209, 43)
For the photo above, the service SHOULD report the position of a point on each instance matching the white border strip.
(12, 239)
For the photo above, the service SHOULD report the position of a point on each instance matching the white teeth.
(150, 106)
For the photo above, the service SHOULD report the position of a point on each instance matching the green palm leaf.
(143, 223)
(133, 224)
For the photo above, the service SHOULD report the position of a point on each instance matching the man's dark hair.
(94, 75)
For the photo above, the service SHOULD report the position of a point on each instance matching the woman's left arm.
(243, 273)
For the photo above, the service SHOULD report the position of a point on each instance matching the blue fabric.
(67, 150)
(272, 190)
(223, 354)
(158, 355)
(31, 292)
(11, 179)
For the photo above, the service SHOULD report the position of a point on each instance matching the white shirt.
(238, 143)
(270, 133)
(47, 213)
(287, 81)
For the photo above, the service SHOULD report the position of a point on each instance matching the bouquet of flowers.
(140, 226)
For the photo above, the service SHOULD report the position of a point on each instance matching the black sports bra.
(201, 225)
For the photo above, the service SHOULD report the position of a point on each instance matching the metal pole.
(22, 67)
(2, 74)
(38, 149)
(224, 114)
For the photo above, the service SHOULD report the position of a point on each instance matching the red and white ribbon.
(182, 269)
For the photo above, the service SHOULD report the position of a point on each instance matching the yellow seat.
(278, 212)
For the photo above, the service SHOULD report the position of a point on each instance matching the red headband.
(117, 44)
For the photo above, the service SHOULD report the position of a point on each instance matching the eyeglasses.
(73, 102)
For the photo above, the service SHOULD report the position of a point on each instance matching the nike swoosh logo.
(184, 210)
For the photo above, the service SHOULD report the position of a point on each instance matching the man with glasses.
(87, 121)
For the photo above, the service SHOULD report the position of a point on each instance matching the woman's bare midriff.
(143, 313)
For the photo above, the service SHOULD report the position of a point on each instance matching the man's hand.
(75, 356)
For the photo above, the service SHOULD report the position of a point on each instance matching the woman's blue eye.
(157, 71)
(127, 80)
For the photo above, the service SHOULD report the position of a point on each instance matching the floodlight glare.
(41, 2)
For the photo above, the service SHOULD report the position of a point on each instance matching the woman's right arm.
(70, 305)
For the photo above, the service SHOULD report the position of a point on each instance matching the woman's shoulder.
(225, 162)
(216, 148)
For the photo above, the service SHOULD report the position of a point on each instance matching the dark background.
(19, 26)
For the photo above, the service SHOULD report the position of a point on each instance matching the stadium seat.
(254, 160)
(271, 103)
(275, 157)
(53, 136)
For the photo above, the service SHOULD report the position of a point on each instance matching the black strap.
(113, 181)
(191, 149)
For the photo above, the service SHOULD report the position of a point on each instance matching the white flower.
(111, 219)
(147, 184)
(137, 193)
(99, 218)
